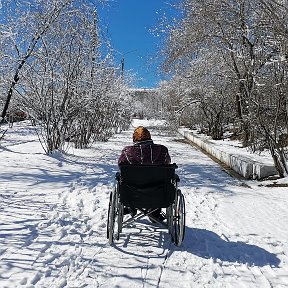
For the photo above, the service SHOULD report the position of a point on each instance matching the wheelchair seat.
(146, 187)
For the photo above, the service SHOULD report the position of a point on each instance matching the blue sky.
(128, 25)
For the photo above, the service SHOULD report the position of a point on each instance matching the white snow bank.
(250, 166)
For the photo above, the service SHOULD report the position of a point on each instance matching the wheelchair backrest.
(147, 186)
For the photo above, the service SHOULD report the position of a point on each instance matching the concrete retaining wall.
(243, 165)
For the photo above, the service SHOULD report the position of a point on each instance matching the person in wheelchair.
(144, 151)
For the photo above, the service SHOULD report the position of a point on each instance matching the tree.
(65, 83)
(38, 29)
(246, 44)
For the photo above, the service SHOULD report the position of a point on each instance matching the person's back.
(145, 152)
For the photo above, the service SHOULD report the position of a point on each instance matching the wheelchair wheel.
(111, 217)
(120, 213)
(179, 219)
(170, 223)
(115, 216)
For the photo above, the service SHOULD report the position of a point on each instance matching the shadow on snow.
(207, 244)
(199, 242)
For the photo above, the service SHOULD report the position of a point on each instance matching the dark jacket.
(145, 152)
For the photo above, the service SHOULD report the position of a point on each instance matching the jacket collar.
(143, 142)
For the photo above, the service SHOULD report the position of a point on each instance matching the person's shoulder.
(161, 145)
(128, 148)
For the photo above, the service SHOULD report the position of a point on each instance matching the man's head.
(141, 134)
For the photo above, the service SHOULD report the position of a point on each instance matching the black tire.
(111, 217)
(170, 222)
(108, 218)
(120, 212)
(179, 218)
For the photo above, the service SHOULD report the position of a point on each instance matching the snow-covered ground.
(53, 212)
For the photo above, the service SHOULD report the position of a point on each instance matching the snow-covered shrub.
(62, 80)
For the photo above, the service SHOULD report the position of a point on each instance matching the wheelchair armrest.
(117, 176)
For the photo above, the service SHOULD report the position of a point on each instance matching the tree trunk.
(279, 161)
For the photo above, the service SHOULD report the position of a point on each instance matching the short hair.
(141, 134)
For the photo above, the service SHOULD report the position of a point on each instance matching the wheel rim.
(179, 219)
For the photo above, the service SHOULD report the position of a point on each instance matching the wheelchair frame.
(175, 207)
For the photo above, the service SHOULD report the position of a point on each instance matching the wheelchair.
(146, 188)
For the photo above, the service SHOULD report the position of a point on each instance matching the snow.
(235, 146)
(242, 160)
(53, 213)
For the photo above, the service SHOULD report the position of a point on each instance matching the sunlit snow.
(53, 212)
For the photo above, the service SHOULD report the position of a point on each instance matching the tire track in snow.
(162, 268)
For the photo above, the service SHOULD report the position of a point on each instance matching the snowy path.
(53, 223)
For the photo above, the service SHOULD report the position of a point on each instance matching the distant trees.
(56, 72)
(230, 61)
